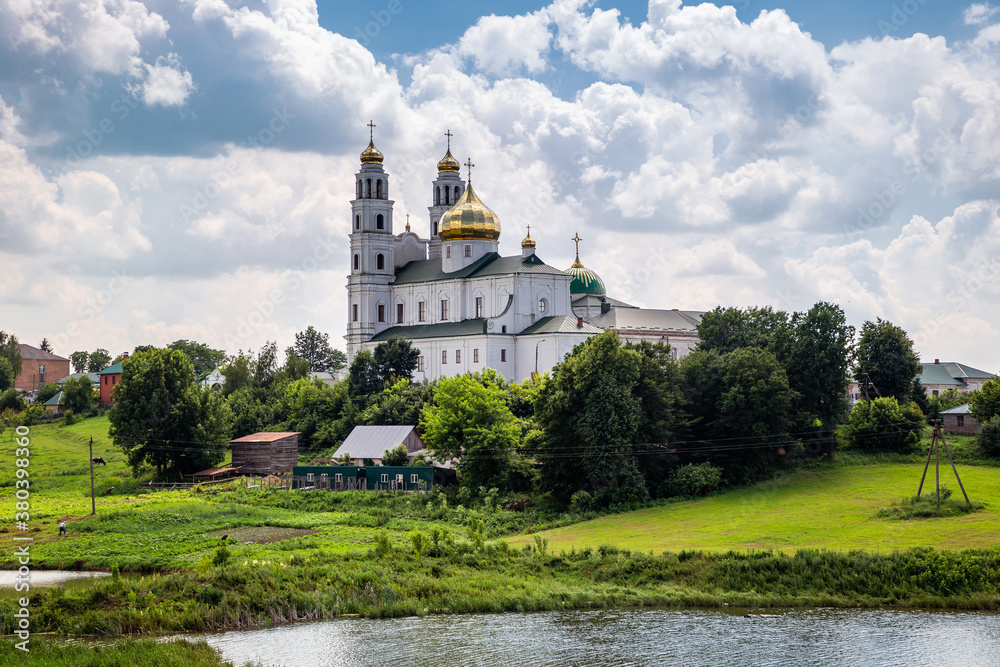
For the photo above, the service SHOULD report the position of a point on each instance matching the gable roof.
(960, 410)
(950, 372)
(370, 442)
(642, 319)
(266, 436)
(594, 300)
(95, 379)
(35, 353)
(55, 400)
(491, 264)
(112, 369)
(558, 324)
(441, 330)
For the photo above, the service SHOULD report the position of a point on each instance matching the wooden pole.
(937, 472)
(926, 465)
(93, 502)
(954, 469)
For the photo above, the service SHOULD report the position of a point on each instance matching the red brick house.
(110, 376)
(39, 367)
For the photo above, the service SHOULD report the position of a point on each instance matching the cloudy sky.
(183, 168)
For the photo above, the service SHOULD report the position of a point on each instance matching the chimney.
(579, 322)
(124, 356)
(937, 361)
(605, 306)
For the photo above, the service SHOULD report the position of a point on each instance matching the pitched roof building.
(39, 367)
(939, 377)
(371, 442)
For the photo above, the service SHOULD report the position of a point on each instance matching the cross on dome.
(371, 130)
(470, 166)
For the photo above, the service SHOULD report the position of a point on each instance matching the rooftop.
(491, 264)
(641, 319)
(266, 436)
(34, 353)
(370, 442)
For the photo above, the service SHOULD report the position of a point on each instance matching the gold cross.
(470, 166)
(371, 130)
(449, 135)
(407, 222)
(576, 237)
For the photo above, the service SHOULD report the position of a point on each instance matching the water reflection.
(70, 580)
(615, 638)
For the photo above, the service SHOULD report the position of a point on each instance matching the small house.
(959, 421)
(110, 377)
(371, 478)
(39, 367)
(54, 404)
(95, 379)
(214, 380)
(266, 453)
(370, 442)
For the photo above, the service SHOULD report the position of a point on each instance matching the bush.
(46, 392)
(396, 456)
(222, 556)
(581, 501)
(70, 418)
(988, 437)
(692, 480)
(11, 400)
(885, 426)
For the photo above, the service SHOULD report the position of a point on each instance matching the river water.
(607, 638)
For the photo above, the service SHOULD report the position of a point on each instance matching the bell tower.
(372, 260)
(446, 190)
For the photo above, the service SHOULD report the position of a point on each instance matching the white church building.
(462, 305)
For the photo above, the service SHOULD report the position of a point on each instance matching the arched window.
(380, 262)
(378, 189)
(446, 198)
(456, 194)
(435, 228)
(357, 262)
(543, 305)
(368, 192)
(379, 221)
(359, 188)
(437, 196)
(357, 221)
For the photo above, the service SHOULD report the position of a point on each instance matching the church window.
(435, 228)
(357, 262)
(444, 309)
(503, 355)
(456, 194)
(444, 357)
(381, 312)
(359, 188)
(368, 190)
(503, 329)
(437, 196)
(399, 313)
(420, 364)
(468, 250)
(378, 189)
(475, 355)
(447, 251)
(447, 200)
(458, 356)
(380, 262)
(542, 306)
(354, 312)
(357, 222)
(479, 306)
(422, 312)
(379, 221)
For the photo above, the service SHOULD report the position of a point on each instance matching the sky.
(183, 168)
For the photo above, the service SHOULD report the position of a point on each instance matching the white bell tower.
(446, 190)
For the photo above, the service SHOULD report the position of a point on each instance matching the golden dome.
(470, 220)
(371, 155)
(449, 164)
(528, 242)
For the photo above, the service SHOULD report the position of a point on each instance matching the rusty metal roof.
(266, 436)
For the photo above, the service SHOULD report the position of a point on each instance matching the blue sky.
(183, 169)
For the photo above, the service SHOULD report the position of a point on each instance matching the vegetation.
(79, 395)
(98, 360)
(145, 652)
(6, 374)
(886, 361)
(885, 426)
(10, 350)
(985, 403)
(203, 359)
(314, 346)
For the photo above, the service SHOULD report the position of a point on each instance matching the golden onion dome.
(371, 155)
(528, 242)
(470, 220)
(449, 164)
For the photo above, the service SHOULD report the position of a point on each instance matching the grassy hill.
(826, 508)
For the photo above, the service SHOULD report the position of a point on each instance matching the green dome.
(585, 281)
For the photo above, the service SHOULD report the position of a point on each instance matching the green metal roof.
(594, 300)
(113, 368)
(950, 372)
(55, 400)
(558, 324)
(492, 264)
(585, 281)
(442, 330)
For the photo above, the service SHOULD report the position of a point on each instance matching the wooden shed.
(266, 453)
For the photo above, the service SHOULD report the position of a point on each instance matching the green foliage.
(98, 360)
(471, 422)
(222, 556)
(239, 375)
(392, 360)
(314, 346)
(885, 357)
(886, 426)
(203, 358)
(6, 375)
(45, 392)
(397, 405)
(79, 395)
(383, 546)
(926, 506)
(988, 437)
(10, 350)
(580, 502)
(344, 460)
(11, 400)
(397, 456)
(725, 330)
(692, 481)
(420, 542)
(323, 414)
(985, 402)
(819, 363)
(79, 361)
(70, 418)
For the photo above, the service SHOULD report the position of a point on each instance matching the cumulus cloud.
(978, 13)
(166, 84)
(506, 44)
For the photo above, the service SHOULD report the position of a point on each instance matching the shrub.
(11, 400)
(886, 426)
(692, 480)
(395, 456)
(420, 542)
(581, 501)
(382, 544)
(46, 392)
(222, 556)
(70, 418)
(988, 437)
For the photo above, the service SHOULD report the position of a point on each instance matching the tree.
(315, 346)
(203, 358)
(265, 367)
(11, 400)
(364, 378)
(6, 374)
(45, 345)
(397, 405)
(79, 395)
(161, 417)
(886, 359)
(471, 422)
(45, 392)
(11, 350)
(79, 361)
(985, 402)
(397, 456)
(819, 364)
(727, 329)
(885, 426)
(295, 368)
(99, 360)
(396, 359)
(238, 373)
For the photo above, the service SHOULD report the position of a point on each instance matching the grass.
(49, 652)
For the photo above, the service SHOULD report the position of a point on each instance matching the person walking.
(62, 528)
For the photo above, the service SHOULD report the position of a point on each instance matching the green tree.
(45, 392)
(985, 402)
(314, 346)
(99, 360)
(238, 372)
(397, 456)
(203, 358)
(295, 368)
(886, 359)
(885, 426)
(364, 378)
(988, 437)
(11, 350)
(6, 374)
(45, 345)
(727, 329)
(397, 405)
(396, 359)
(265, 367)
(162, 418)
(471, 422)
(79, 395)
(79, 361)
(11, 400)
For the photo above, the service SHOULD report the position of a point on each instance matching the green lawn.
(827, 508)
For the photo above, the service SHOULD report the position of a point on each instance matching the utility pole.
(93, 503)
(937, 468)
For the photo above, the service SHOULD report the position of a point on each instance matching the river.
(615, 638)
